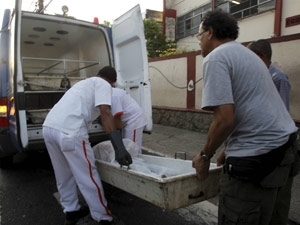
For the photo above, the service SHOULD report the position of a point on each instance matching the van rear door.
(17, 126)
(131, 61)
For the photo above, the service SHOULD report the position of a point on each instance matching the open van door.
(131, 61)
(18, 128)
(8, 126)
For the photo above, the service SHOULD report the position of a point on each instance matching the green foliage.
(107, 23)
(156, 40)
(172, 51)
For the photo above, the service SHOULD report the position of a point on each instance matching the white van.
(44, 55)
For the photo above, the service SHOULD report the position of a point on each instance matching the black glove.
(121, 154)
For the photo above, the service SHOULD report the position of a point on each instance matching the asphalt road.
(26, 193)
(27, 198)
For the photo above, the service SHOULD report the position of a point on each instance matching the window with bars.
(188, 24)
(246, 8)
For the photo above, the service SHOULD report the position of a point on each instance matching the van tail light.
(3, 112)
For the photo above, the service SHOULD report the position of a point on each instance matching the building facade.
(257, 18)
(176, 81)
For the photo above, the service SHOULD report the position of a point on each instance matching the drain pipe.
(278, 18)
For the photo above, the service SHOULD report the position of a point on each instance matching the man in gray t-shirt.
(250, 117)
(260, 116)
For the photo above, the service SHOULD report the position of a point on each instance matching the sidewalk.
(166, 141)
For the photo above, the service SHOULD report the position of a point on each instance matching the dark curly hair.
(108, 73)
(223, 24)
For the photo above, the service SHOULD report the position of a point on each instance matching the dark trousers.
(243, 201)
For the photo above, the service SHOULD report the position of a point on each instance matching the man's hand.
(121, 154)
(202, 167)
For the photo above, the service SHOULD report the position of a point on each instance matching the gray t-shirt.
(233, 74)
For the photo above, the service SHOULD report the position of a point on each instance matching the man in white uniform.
(65, 131)
(129, 116)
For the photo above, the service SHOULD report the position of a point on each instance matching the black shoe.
(73, 217)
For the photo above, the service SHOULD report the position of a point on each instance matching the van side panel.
(6, 147)
(4, 43)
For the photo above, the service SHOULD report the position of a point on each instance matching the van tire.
(6, 162)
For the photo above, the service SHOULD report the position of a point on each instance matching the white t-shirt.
(78, 107)
(233, 74)
(122, 103)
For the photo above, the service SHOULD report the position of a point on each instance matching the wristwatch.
(204, 156)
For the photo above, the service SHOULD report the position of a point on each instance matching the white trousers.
(74, 166)
(136, 135)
